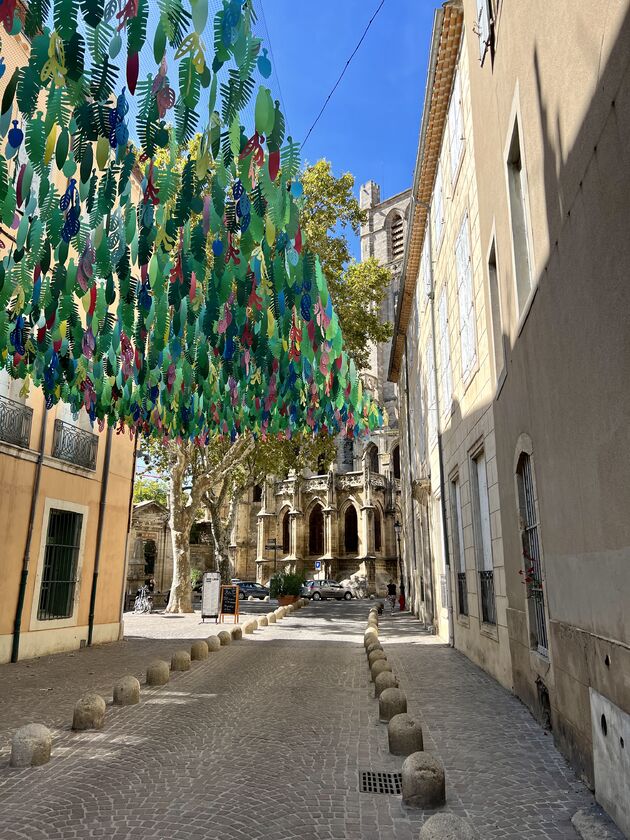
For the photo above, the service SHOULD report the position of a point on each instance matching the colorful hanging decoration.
(157, 276)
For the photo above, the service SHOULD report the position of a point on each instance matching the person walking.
(391, 594)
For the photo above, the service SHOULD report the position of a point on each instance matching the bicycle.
(144, 601)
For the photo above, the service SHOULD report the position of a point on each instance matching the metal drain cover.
(380, 782)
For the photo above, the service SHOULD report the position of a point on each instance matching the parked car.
(247, 588)
(319, 590)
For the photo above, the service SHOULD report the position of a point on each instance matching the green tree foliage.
(150, 490)
(357, 289)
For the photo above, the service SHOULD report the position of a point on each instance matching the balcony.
(15, 422)
(74, 445)
(488, 606)
(462, 594)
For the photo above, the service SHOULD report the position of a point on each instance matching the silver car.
(319, 590)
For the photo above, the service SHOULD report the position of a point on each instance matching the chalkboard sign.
(229, 601)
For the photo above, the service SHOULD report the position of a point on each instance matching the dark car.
(319, 590)
(256, 590)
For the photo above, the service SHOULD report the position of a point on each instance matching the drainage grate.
(380, 782)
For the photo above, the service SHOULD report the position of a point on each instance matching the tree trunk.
(222, 529)
(180, 598)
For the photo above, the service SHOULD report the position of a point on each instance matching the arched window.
(316, 531)
(371, 455)
(286, 539)
(532, 555)
(396, 461)
(257, 497)
(397, 238)
(351, 530)
(378, 537)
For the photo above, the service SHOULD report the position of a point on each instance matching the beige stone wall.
(567, 87)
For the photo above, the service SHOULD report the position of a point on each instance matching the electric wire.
(343, 72)
(275, 66)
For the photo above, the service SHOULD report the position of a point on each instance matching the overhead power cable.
(343, 72)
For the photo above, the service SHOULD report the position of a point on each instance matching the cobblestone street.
(266, 740)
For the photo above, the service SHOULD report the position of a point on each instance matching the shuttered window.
(445, 356)
(425, 267)
(465, 294)
(483, 27)
(431, 401)
(397, 238)
(438, 208)
(456, 127)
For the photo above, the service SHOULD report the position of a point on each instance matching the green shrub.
(286, 583)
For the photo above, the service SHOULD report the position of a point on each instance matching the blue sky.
(371, 125)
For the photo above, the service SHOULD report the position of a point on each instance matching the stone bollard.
(237, 634)
(446, 827)
(126, 691)
(250, 598)
(266, 598)
(384, 681)
(158, 672)
(370, 636)
(214, 644)
(263, 621)
(180, 661)
(375, 656)
(379, 667)
(271, 618)
(423, 783)
(249, 628)
(224, 636)
(31, 746)
(404, 735)
(372, 621)
(281, 612)
(374, 646)
(89, 712)
(391, 702)
(199, 650)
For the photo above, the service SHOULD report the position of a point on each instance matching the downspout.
(15, 648)
(129, 514)
(99, 531)
(408, 424)
(447, 558)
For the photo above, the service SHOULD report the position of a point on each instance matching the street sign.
(318, 565)
(210, 594)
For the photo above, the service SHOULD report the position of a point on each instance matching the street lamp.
(398, 530)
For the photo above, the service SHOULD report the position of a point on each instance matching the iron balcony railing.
(462, 593)
(15, 422)
(488, 607)
(74, 445)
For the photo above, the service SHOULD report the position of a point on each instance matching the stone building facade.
(533, 274)
(344, 518)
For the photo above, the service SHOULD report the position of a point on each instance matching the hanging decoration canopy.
(204, 311)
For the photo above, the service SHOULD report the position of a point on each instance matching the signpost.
(318, 565)
(229, 602)
(272, 545)
(210, 595)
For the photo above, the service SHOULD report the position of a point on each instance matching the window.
(396, 461)
(425, 267)
(378, 537)
(483, 27)
(445, 356)
(257, 493)
(351, 530)
(371, 455)
(438, 207)
(457, 529)
(348, 453)
(321, 465)
(61, 554)
(498, 339)
(286, 538)
(397, 238)
(316, 531)
(456, 127)
(517, 188)
(431, 396)
(483, 537)
(15, 416)
(465, 294)
(531, 553)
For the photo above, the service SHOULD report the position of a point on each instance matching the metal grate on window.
(59, 578)
(531, 552)
(380, 782)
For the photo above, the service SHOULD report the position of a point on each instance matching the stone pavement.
(266, 740)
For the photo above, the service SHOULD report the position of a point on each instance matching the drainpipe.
(408, 424)
(15, 649)
(447, 558)
(129, 513)
(99, 530)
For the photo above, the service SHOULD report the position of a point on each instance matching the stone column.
(295, 515)
(367, 531)
(330, 532)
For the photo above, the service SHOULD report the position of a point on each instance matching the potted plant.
(286, 587)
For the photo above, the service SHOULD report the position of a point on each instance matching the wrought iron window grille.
(15, 422)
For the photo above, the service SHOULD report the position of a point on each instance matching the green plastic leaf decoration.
(37, 12)
(65, 18)
(93, 11)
